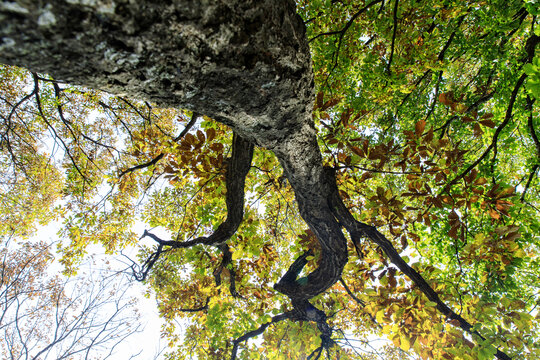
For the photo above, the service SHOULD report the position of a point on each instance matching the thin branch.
(360, 302)
(343, 31)
(495, 138)
(440, 57)
(394, 33)
(257, 332)
(160, 156)
(532, 130)
(53, 130)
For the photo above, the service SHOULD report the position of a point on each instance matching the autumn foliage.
(427, 122)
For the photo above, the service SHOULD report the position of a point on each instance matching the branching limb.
(142, 274)
(53, 130)
(347, 25)
(68, 124)
(495, 138)
(257, 332)
(344, 30)
(237, 170)
(530, 48)
(359, 230)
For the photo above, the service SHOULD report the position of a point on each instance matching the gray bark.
(244, 63)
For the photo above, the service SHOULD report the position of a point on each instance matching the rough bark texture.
(243, 63)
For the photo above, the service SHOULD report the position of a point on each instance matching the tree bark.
(243, 63)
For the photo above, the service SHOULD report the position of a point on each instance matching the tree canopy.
(311, 176)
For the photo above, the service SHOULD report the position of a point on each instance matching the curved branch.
(359, 230)
(300, 158)
(237, 170)
(235, 178)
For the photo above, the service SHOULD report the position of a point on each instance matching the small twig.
(160, 156)
(394, 33)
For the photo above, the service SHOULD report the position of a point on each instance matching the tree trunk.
(243, 63)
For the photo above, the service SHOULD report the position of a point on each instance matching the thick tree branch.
(359, 230)
(237, 170)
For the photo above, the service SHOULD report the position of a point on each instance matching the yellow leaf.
(380, 316)
(405, 342)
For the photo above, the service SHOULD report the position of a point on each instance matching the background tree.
(47, 316)
(401, 199)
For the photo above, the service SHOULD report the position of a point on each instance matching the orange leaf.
(329, 103)
(494, 214)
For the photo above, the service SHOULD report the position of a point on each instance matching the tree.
(394, 180)
(43, 316)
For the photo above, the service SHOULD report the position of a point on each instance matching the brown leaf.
(200, 136)
(320, 99)
(488, 123)
(358, 151)
(453, 232)
(445, 98)
(210, 134)
(329, 103)
(419, 127)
